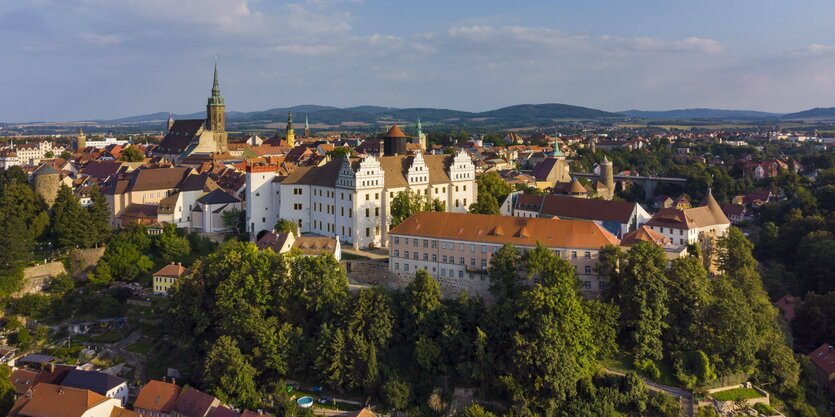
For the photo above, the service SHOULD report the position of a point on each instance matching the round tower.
(289, 132)
(607, 177)
(80, 140)
(47, 180)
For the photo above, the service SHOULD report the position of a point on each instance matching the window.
(465, 188)
(574, 254)
(484, 264)
(587, 285)
(472, 261)
(297, 206)
(443, 272)
(397, 252)
(376, 196)
(396, 266)
(367, 212)
(367, 232)
(483, 248)
(376, 211)
(434, 244)
(406, 267)
(414, 242)
(367, 197)
(461, 261)
(601, 284)
(444, 259)
(461, 247)
(434, 257)
(406, 254)
(425, 243)
(680, 232)
(588, 269)
(396, 240)
(416, 256)
(587, 255)
(472, 248)
(460, 274)
(425, 256)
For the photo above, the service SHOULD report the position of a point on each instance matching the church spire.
(216, 85)
(306, 127)
(290, 133)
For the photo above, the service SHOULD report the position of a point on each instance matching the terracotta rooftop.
(643, 234)
(824, 358)
(194, 403)
(520, 231)
(577, 208)
(310, 245)
(395, 132)
(157, 396)
(172, 271)
(49, 400)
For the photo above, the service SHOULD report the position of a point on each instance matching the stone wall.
(36, 277)
(81, 261)
(376, 272)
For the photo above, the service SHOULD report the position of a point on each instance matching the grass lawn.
(141, 346)
(352, 257)
(330, 405)
(740, 393)
(765, 409)
(110, 336)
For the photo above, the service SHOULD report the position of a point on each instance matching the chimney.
(51, 367)
(174, 380)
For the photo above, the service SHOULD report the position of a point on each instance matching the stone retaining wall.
(35, 278)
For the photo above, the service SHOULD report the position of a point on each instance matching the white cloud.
(97, 39)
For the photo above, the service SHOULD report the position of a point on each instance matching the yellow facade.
(162, 285)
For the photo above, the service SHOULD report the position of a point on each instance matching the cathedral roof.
(180, 135)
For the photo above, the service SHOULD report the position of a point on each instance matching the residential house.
(691, 225)
(618, 217)
(207, 216)
(456, 248)
(144, 189)
(23, 380)
(48, 400)
(99, 382)
(824, 360)
(157, 399)
(194, 403)
(307, 245)
(166, 277)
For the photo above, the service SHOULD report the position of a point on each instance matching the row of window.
(426, 243)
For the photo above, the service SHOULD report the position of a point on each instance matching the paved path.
(685, 397)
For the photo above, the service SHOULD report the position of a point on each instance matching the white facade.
(32, 154)
(351, 198)
(105, 142)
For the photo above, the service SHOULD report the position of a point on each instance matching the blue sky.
(82, 59)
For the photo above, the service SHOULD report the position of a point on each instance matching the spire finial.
(306, 124)
(216, 85)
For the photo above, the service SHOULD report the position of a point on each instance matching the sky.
(99, 59)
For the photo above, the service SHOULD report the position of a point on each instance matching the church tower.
(290, 133)
(216, 116)
(421, 137)
(306, 127)
(80, 140)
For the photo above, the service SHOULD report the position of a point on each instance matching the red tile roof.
(519, 231)
(824, 359)
(157, 396)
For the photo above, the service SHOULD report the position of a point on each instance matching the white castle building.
(350, 198)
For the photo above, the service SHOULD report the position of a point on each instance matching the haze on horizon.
(86, 59)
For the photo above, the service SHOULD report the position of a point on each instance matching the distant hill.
(516, 115)
(547, 111)
(816, 113)
(701, 113)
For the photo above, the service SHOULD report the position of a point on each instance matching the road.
(685, 397)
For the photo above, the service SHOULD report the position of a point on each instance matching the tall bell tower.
(216, 115)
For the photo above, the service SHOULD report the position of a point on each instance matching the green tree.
(229, 376)
(643, 301)
(287, 226)
(7, 391)
(545, 362)
(406, 203)
(486, 204)
(494, 185)
(340, 152)
(171, 246)
(604, 322)
(689, 296)
(813, 323)
(132, 154)
(125, 256)
(734, 342)
(61, 284)
(505, 282)
(421, 299)
(98, 217)
(475, 410)
(68, 220)
(396, 393)
(333, 357)
(234, 220)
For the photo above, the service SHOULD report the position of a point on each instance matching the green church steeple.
(216, 108)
